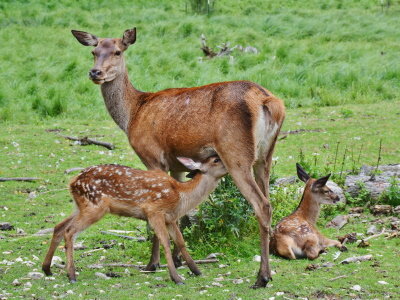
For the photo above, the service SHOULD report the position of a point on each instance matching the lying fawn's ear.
(85, 38)
(303, 176)
(189, 163)
(129, 37)
(321, 181)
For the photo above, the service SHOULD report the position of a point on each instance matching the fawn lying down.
(147, 195)
(296, 236)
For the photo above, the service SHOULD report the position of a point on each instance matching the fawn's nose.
(95, 73)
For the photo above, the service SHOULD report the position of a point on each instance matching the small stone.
(280, 293)
(238, 281)
(102, 275)
(16, 282)
(257, 258)
(6, 226)
(382, 282)
(7, 252)
(219, 278)
(70, 292)
(372, 230)
(28, 284)
(222, 266)
(44, 232)
(217, 284)
(356, 288)
(35, 275)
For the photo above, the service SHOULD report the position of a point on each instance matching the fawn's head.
(317, 187)
(108, 54)
(212, 166)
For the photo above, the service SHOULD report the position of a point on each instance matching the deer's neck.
(308, 208)
(193, 192)
(121, 99)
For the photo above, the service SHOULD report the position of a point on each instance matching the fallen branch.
(356, 259)
(30, 179)
(335, 278)
(88, 141)
(121, 265)
(138, 239)
(73, 170)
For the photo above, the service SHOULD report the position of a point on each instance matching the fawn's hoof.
(179, 283)
(72, 280)
(177, 262)
(343, 248)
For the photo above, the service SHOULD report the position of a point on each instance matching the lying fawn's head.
(108, 54)
(212, 166)
(319, 191)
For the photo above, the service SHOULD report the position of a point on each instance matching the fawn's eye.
(117, 53)
(217, 160)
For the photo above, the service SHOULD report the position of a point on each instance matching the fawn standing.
(296, 236)
(147, 195)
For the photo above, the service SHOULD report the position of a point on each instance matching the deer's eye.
(326, 192)
(217, 160)
(117, 53)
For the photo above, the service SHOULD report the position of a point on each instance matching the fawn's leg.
(177, 237)
(157, 222)
(58, 235)
(312, 249)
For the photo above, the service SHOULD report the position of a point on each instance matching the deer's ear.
(85, 38)
(129, 37)
(303, 176)
(321, 181)
(189, 163)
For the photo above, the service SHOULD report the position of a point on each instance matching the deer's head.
(108, 54)
(320, 192)
(212, 166)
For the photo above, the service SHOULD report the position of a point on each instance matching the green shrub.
(392, 195)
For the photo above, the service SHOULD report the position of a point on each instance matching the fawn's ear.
(303, 176)
(129, 37)
(85, 38)
(189, 163)
(319, 183)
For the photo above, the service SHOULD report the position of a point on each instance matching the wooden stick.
(138, 239)
(356, 259)
(88, 141)
(375, 235)
(121, 265)
(67, 171)
(335, 278)
(18, 179)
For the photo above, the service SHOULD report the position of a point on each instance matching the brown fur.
(220, 118)
(296, 236)
(147, 195)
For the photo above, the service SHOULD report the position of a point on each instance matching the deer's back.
(122, 186)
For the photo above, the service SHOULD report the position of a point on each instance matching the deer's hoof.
(343, 248)
(152, 267)
(47, 271)
(180, 283)
(261, 282)
(72, 280)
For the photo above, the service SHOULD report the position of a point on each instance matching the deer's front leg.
(325, 242)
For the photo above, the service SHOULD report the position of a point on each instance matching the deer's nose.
(95, 73)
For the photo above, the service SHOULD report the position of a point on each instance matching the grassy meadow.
(334, 63)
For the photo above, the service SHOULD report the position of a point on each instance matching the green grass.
(30, 150)
(334, 63)
(311, 53)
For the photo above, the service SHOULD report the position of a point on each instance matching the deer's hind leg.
(58, 235)
(157, 222)
(177, 237)
(284, 247)
(80, 222)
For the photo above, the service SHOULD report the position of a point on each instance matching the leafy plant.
(392, 194)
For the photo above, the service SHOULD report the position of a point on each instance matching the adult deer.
(147, 195)
(297, 236)
(238, 120)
